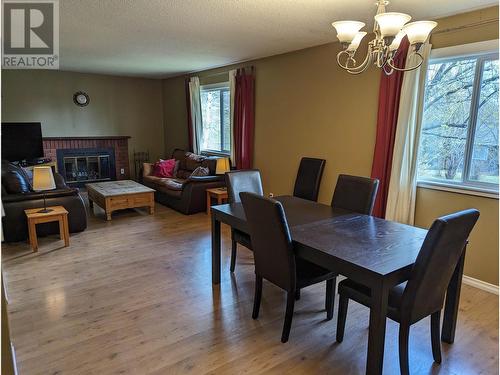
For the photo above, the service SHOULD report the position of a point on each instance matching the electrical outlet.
(122, 171)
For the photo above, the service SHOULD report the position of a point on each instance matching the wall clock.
(81, 99)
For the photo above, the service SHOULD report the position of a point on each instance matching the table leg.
(91, 204)
(215, 250)
(208, 203)
(66, 230)
(32, 236)
(62, 230)
(452, 300)
(152, 209)
(376, 334)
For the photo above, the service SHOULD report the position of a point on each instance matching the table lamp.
(223, 166)
(43, 180)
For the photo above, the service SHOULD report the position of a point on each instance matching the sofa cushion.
(15, 183)
(183, 174)
(162, 182)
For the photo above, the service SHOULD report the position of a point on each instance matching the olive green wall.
(307, 106)
(118, 106)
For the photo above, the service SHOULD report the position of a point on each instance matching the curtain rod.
(474, 24)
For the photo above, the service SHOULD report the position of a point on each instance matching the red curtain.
(388, 109)
(244, 117)
(188, 109)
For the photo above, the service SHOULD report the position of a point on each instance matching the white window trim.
(215, 86)
(472, 49)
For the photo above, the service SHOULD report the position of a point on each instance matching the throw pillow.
(200, 171)
(164, 168)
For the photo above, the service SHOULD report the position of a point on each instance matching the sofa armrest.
(205, 178)
(39, 195)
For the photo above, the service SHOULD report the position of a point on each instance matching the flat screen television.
(21, 141)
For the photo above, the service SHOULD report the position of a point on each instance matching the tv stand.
(33, 162)
(29, 167)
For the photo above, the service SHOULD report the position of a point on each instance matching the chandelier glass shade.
(389, 29)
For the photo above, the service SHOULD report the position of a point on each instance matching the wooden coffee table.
(119, 195)
(56, 213)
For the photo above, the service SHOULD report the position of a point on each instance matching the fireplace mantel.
(118, 142)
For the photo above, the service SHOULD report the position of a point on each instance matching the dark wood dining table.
(375, 252)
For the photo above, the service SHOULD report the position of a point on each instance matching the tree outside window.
(459, 139)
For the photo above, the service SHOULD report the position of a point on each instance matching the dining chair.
(309, 178)
(237, 182)
(275, 259)
(423, 294)
(355, 193)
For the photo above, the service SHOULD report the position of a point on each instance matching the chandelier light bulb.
(356, 41)
(347, 30)
(397, 41)
(419, 31)
(391, 23)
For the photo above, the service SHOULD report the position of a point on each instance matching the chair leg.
(257, 297)
(404, 335)
(234, 246)
(297, 294)
(342, 315)
(330, 298)
(435, 336)
(290, 302)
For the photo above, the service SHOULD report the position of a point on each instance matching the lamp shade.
(43, 179)
(419, 31)
(222, 166)
(356, 41)
(397, 41)
(390, 23)
(347, 30)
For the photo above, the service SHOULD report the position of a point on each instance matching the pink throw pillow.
(164, 168)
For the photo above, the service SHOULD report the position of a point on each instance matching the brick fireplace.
(117, 146)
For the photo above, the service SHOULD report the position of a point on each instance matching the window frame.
(481, 52)
(222, 87)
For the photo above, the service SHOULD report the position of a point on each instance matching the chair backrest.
(271, 240)
(354, 193)
(243, 181)
(440, 253)
(309, 178)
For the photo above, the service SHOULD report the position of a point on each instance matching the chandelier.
(389, 30)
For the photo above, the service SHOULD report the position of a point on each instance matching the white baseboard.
(487, 287)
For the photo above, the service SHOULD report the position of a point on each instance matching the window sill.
(459, 189)
(215, 153)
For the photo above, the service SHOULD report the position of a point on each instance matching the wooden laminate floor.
(134, 296)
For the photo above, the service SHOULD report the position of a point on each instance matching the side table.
(57, 213)
(220, 194)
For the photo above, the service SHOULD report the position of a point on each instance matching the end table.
(57, 213)
(218, 193)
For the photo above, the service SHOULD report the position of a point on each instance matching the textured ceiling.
(160, 38)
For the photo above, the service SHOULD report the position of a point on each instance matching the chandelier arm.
(410, 68)
(362, 67)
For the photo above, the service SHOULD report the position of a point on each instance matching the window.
(459, 139)
(215, 115)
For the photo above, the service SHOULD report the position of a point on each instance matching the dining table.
(374, 252)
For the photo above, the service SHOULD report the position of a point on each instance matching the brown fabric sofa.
(184, 193)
